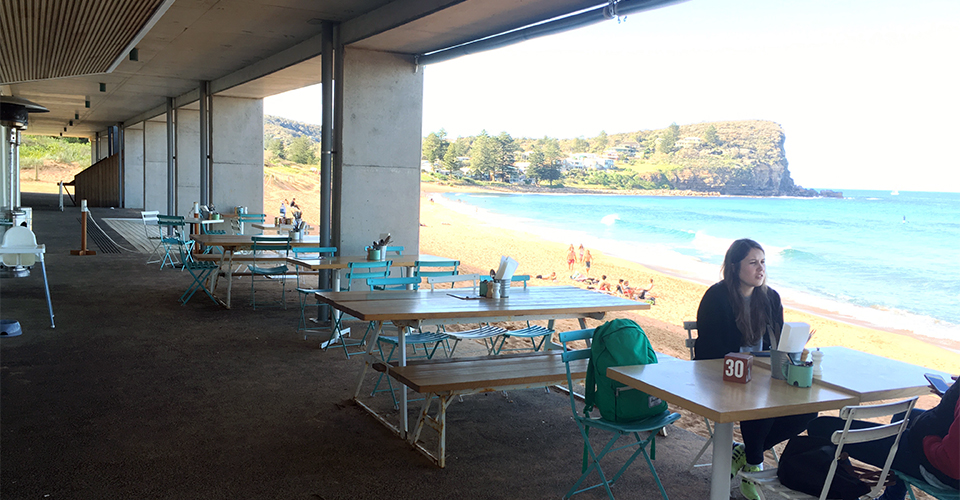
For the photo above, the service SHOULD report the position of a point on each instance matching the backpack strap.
(590, 392)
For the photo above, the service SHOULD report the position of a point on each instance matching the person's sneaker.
(738, 460)
(748, 489)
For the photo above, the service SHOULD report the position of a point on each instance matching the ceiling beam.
(390, 16)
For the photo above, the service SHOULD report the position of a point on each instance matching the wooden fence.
(100, 183)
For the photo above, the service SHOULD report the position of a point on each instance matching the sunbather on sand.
(604, 284)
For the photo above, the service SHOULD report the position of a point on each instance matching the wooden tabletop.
(343, 261)
(563, 301)
(870, 376)
(699, 387)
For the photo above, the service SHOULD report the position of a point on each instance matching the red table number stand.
(737, 367)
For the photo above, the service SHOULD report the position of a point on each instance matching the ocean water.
(892, 260)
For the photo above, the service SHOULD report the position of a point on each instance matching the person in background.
(604, 284)
(620, 286)
(627, 289)
(571, 257)
(929, 448)
(293, 204)
(581, 253)
(283, 208)
(645, 291)
(587, 258)
(737, 315)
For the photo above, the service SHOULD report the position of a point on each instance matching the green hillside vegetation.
(285, 139)
(35, 150)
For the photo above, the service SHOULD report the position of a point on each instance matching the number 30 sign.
(737, 367)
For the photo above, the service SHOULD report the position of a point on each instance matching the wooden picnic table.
(850, 378)
(232, 243)
(415, 309)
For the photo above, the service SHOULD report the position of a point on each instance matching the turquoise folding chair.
(484, 333)
(398, 250)
(305, 292)
(423, 345)
(363, 271)
(199, 270)
(269, 247)
(172, 231)
(591, 458)
(938, 492)
(531, 332)
(427, 268)
(238, 223)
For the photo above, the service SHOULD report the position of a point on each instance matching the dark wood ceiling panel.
(45, 39)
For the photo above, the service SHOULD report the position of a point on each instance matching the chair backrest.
(367, 269)
(397, 249)
(427, 268)
(308, 252)
(171, 224)
(19, 236)
(691, 341)
(151, 228)
(264, 244)
(393, 283)
(569, 355)
(453, 280)
(851, 436)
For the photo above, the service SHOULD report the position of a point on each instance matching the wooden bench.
(444, 379)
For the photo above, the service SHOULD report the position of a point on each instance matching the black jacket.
(717, 331)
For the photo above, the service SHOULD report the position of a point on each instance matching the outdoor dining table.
(416, 309)
(340, 262)
(850, 378)
(232, 243)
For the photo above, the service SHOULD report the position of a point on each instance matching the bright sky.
(867, 91)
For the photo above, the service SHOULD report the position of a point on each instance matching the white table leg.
(368, 356)
(722, 450)
(230, 279)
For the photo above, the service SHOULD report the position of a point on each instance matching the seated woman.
(645, 291)
(604, 284)
(627, 289)
(737, 315)
(929, 448)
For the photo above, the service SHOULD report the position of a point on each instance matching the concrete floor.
(134, 395)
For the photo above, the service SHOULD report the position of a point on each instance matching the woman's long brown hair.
(754, 322)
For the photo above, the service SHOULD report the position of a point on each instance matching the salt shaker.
(817, 359)
(494, 289)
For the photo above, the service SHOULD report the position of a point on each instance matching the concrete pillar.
(188, 159)
(155, 165)
(133, 166)
(237, 153)
(380, 151)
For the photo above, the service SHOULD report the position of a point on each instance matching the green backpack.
(619, 342)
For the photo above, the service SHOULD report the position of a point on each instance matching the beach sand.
(479, 245)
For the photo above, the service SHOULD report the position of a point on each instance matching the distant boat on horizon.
(895, 192)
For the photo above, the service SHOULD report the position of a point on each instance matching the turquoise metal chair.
(357, 271)
(305, 292)
(937, 492)
(398, 250)
(428, 268)
(172, 230)
(483, 333)
(632, 430)
(199, 270)
(424, 345)
(531, 332)
(269, 246)
(238, 223)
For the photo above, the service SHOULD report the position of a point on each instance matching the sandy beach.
(479, 245)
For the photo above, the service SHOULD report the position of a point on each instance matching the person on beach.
(627, 289)
(645, 291)
(293, 204)
(581, 253)
(738, 314)
(586, 261)
(929, 447)
(604, 284)
(620, 286)
(571, 258)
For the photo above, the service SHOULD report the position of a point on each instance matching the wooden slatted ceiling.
(41, 39)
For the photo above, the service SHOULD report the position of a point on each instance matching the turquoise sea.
(892, 260)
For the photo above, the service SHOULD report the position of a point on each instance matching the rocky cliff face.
(744, 158)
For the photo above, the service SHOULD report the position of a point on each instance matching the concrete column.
(379, 156)
(155, 165)
(188, 159)
(133, 166)
(237, 153)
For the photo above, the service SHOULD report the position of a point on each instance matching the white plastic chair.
(20, 248)
(766, 480)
